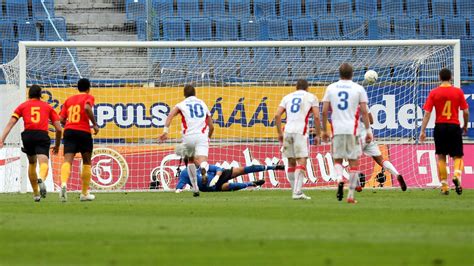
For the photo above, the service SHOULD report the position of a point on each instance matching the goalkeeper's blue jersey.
(184, 178)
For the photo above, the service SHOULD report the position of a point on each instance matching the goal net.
(136, 84)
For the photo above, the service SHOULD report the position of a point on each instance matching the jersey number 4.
(447, 110)
(196, 110)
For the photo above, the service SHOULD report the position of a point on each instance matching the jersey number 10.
(196, 110)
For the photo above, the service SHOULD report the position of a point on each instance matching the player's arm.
(174, 112)
(90, 114)
(11, 123)
(426, 118)
(278, 115)
(325, 114)
(210, 124)
(59, 133)
(317, 124)
(465, 115)
(364, 111)
(371, 118)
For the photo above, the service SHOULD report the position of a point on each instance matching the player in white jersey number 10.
(298, 106)
(197, 129)
(347, 100)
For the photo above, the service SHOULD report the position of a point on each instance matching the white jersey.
(298, 106)
(194, 114)
(344, 97)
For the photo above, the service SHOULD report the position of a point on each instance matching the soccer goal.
(135, 85)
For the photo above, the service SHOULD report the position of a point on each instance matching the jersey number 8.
(295, 105)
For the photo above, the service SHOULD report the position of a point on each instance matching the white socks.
(353, 181)
(291, 178)
(192, 171)
(339, 172)
(299, 178)
(389, 166)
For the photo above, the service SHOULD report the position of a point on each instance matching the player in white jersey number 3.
(347, 100)
(298, 106)
(197, 129)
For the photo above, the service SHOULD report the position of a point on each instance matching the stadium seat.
(366, 8)
(467, 49)
(17, 9)
(417, 8)
(200, 29)
(174, 29)
(141, 29)
(328, 29)
(135, 9)
(290, 8)
(27, 31)
(227, 29)
(163, 8)
(341, 8)
(465, 8)
(455, 28)
(442, 8)
(187, 55)
(355, 28)
(277, 29)
(6, 30)
(392, 8)
(188, 8)
(212, 55)
(303, 28)
(238, 54)
(214, 8)
(404, 28)
(9, 50)
(250, 30)
(264, 8)
(465, 75)
(430, 28)
(49, 31)
(239, 8)
(316, 8)
(39, 11)
(160, 55)
(380, 28)
(471, 23)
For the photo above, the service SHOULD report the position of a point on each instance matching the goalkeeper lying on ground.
(218, 178)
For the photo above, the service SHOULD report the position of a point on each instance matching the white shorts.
(295, 145)
(371, 149)
(194, 145)
(346, 147)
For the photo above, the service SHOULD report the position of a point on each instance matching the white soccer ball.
(371, 76)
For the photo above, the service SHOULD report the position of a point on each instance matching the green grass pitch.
(386, 227)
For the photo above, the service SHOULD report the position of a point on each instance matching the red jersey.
(36, 114)
(74, 111)
(447, 100)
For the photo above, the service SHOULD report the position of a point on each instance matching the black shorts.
(35, 142)
(224, 178)
(448, 139)
(77, 141)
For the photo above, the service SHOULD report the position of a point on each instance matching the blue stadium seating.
(341, 8)
(49, 32)
(392, 8)
(467, 49)
(366, 8)
(328, 29)
(465, 75)
(239, 8)
(38, 8)
(465, 8)
(303, 28)
(430, 28)
(163, 8)
(264, 8)
(174, 29)
(188, 8)
(471, 23)
(250, 30)
(187, 55)
(316, 8)
(227, 29)
(404, 27)
(17, 9)
(9, 50)
(355, 28)
(6, 30)
(200, 29)
(238, 54)
(442, 8)
(27, 31)
(135, 9)
(141, 29)
(214, 8)
(381, 28)
(277, 29)
(417, 8)
(290, 8)
(455, 27)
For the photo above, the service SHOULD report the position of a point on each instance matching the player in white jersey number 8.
(197, 129)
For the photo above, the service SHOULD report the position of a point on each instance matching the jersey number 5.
(343, 96)
(447, 110)
(74, 113)
(35, 114)
(196, 110)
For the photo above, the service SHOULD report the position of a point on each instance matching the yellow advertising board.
(140, 113)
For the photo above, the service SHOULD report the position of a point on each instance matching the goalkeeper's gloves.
(214, 180)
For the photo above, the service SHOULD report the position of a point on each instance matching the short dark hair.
(302, 84)
(83, 85)
(346, 71)
(34, 92)
(445, 74)
(189, 91)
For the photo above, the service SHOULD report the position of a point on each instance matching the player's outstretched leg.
(458, 167)
(239, 186)
(192, 171)
(299, 178)
(353, 182)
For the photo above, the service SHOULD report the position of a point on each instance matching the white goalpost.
(135, 85)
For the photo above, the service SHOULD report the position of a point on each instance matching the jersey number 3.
(343, 96)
